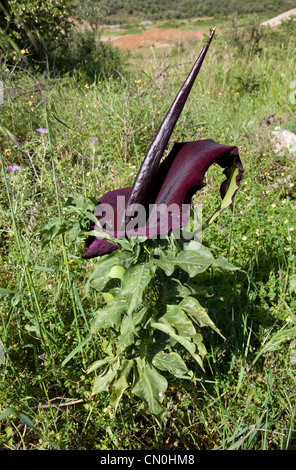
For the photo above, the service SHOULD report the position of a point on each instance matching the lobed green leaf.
(150, 387)
(171, 362)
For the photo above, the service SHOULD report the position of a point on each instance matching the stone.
(284, 141)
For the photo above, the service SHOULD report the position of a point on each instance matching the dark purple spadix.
(164, 188)
(155, 152)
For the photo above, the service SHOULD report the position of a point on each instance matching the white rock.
(284, 140)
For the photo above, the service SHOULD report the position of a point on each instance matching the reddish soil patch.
(158, 38)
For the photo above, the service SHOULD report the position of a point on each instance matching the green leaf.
(139, 315)
(198, 313)
(233, 172)
(52, 229)
(178, 319)
(222, 263)
(121, 383)
(116, 272)
(8, 292)
(108, 267)
(172, 363)
(102, 382)
(74, 352)
(97, 364)
(99, 278)
(174, 288)
(108, 315)
(126, 336)
(150, 387)
(200, 346)
(186, 343)
(193, 262)
(79, 205)
(133, 283)
(108, 297)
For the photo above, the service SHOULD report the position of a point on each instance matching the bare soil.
(156, 37)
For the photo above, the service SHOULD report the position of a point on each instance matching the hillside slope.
(277, 20)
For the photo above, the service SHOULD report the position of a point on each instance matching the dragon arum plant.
(149, 328)
(152, 321)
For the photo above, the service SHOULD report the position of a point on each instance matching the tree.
(33, 25)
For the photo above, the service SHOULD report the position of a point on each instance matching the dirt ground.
(277, 20)
(157, 38)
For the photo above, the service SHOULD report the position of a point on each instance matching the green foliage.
(92, 11)
(41, 36)
(163, 9)
(34, 27)
(246, 40)
(84, 54)
(244, 396)
(149, 335)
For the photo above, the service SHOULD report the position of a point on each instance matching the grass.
(246, 397)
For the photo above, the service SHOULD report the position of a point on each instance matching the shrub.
(38, 34)
(35, 26)
(85, 53)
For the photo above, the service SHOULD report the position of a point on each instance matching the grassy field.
(245, 398)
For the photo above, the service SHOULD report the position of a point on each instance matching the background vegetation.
(245, 399)
(164, 9)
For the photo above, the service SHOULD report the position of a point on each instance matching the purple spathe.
(178, 178)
